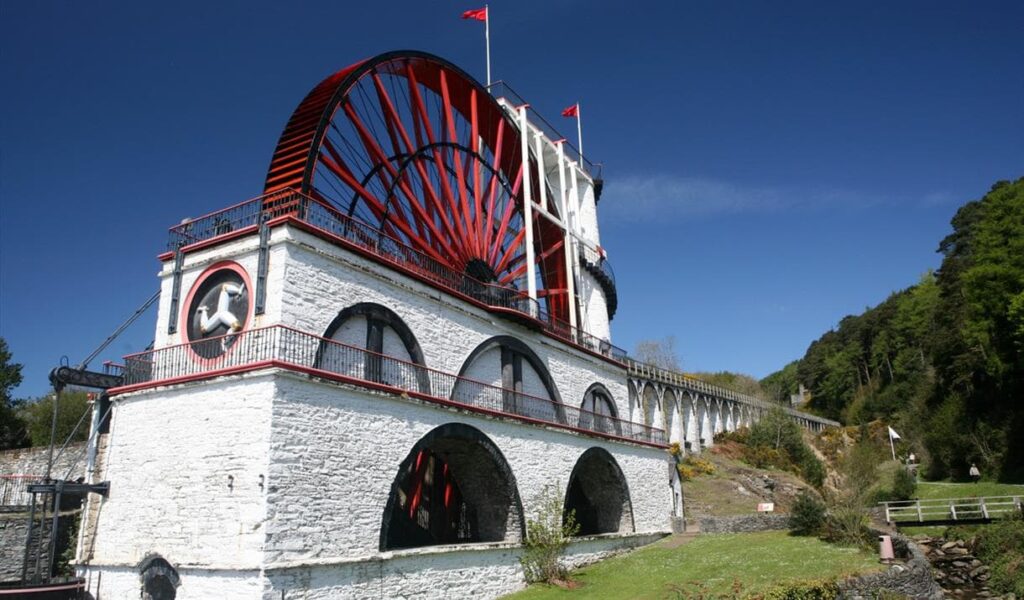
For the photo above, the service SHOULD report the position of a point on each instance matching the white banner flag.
(893, 434)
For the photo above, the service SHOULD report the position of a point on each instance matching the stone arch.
(706, 435)
(651, 407)
(598, 411)
(158, 578)
(526, 385)
(635, 410)
(384, 336)
(599, 494)
(672, 421)
(454, 487)
(691, 426)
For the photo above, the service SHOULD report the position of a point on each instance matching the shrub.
(904, 485)
(847, 526)
(1001, 546)
(812, 470)
(693, 466)
(675, 450)
(804, 590)
(807, 516)
(764, 457)
(547, 536)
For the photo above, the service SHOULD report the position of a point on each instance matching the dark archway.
(599, 495)
(379, 328)
(598, 412)
(159, 579)
(508, 363)
(454, 487)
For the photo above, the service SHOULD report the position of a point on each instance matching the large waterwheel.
(416, 148)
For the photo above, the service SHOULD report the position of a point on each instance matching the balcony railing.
(353, 232)
(289, 348)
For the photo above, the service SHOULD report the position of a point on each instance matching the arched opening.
(454, 487)
(598, 494)
(159, 579)
(597, 413)
(671, 416)
(652, 412)
(373, 344)
(504, 362)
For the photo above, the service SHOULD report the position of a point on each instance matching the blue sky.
(770, 167)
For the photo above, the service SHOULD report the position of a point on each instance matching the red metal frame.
(424, 153)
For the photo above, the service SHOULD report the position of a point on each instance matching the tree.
(737, 382)
(12, 428)
(37, 415)
(780, 385)
(659, 353)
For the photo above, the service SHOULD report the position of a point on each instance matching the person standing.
(975, 473)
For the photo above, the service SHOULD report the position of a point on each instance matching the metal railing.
(14, 489)
(952, 509)
(333, 222)
(500, 89)
(592, 256)
(684, 381)
(290, 348)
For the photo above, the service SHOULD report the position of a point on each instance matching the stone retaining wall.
(913, 579)
(744, 523)
(32, 461)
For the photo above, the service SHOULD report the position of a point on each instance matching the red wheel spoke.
(510, 205)
(378, 154)
(373, 202)
(452, 137)
(474, 144)
(493, 189)
(513, 247)
(509, 277)
(390, 118)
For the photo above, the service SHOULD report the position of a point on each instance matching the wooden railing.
(945, 510)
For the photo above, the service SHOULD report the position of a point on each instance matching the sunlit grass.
(927, 490)
(756, 560)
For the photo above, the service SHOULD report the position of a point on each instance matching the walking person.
(975, 473)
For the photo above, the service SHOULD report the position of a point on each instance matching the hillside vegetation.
(943, 360)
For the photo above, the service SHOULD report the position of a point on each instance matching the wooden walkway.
(948, 511)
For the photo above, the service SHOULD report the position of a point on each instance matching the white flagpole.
(487, 38)
(579, 133)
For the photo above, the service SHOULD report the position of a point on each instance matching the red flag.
(572, 111)
(479, 14)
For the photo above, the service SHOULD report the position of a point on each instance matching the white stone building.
(363, 381)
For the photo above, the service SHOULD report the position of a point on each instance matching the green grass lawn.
(756, 560)
(927, 490)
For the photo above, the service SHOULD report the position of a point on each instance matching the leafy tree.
(942, 360)
(12, 428)
(780, 385)
(38, 417)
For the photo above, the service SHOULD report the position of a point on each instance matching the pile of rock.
(959, 573)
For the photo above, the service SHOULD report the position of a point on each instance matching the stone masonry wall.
(324, 505)
(32, 461)
(184, 467)
(744, 523)
(321, 280)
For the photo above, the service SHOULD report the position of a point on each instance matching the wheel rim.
(413, 146)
